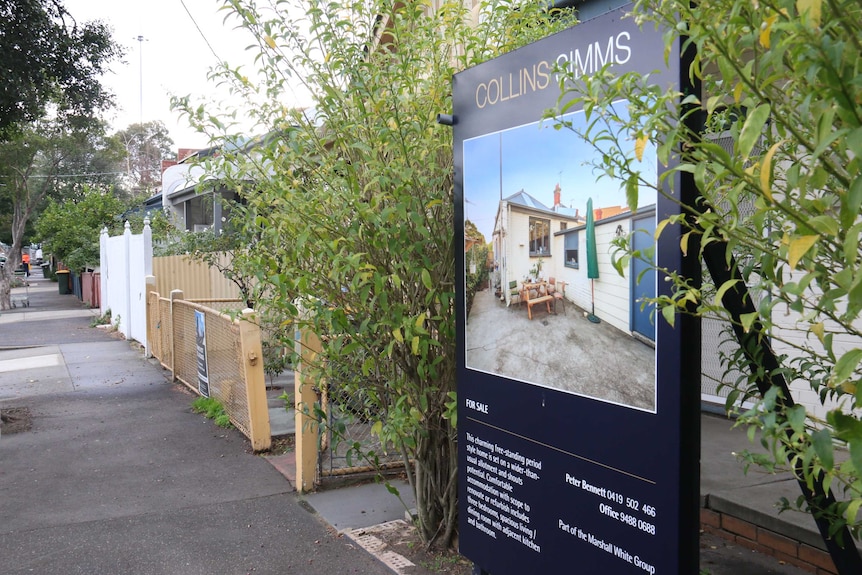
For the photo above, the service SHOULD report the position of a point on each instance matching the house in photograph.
(531, 238)
(523, 236)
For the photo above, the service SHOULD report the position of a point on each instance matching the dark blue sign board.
(578, 434)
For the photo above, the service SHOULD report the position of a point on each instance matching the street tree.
(69, 227)
(352, 202)
(146, 146)
(50, 100)
(48, 159)
(777, 222)
(50, 61)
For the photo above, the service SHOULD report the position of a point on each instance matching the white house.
(523, 236)
(527, 232)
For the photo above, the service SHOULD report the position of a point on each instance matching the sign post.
(578, 439)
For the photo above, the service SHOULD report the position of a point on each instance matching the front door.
(643, 286)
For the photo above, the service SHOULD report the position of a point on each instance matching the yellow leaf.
(396, 333)
(752, 168)
(269, 41)
(415, 345)
(798, 247)
(737, 92)
(817, 329)
(766, 171)
(813, 9)
(640, 144)
(660, 227)
(766, 30)
(683, 243)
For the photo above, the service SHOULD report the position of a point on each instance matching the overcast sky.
(173, 58)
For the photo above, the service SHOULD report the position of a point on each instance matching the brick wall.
(767, 542)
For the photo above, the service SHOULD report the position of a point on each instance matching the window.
(563, 226)
(199, 212)
(572, 250)
(540, 237)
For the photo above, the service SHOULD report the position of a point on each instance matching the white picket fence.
(126, 261)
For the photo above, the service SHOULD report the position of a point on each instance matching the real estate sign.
(578, 436)
(201, 353)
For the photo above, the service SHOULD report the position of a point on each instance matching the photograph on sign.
(547, 225)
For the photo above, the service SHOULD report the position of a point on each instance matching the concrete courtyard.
(563, 351)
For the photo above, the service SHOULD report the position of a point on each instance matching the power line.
(201, 32)
(77, 175)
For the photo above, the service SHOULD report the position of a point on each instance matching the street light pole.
(141, 40)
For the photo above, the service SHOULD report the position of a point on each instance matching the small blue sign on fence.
(201, 348)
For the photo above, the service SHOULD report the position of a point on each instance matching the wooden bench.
(546, 299)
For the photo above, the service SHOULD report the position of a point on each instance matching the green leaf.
(851, 205)
(850, 514)
(822, 441)
(752, 130)
(668, 312)
(825, 225)
(845, 366)
(856, 458)
(723, 289)
(851, 243)
(632, 192)
(747, 320)
(426, 279)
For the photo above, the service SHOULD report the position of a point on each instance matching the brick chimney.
(183, 153)
(557, 198)
(167, 164)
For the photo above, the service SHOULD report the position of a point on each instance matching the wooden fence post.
(255, 384)
(307, 429)
(176, 294)
(149, 318)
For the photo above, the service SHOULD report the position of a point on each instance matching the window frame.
(567, 248)
(539, 242)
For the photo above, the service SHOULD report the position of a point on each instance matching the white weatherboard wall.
(126, 261)
(612, 291)
(791, 333)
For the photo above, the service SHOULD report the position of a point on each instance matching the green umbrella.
(592, 260)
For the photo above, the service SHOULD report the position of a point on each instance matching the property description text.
(494, 477)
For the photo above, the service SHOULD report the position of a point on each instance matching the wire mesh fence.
(350, 445)
(717, 342)
(211, 353)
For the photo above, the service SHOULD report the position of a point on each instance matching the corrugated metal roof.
(524, 199)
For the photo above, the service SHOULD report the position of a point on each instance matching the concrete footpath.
(117, 476)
